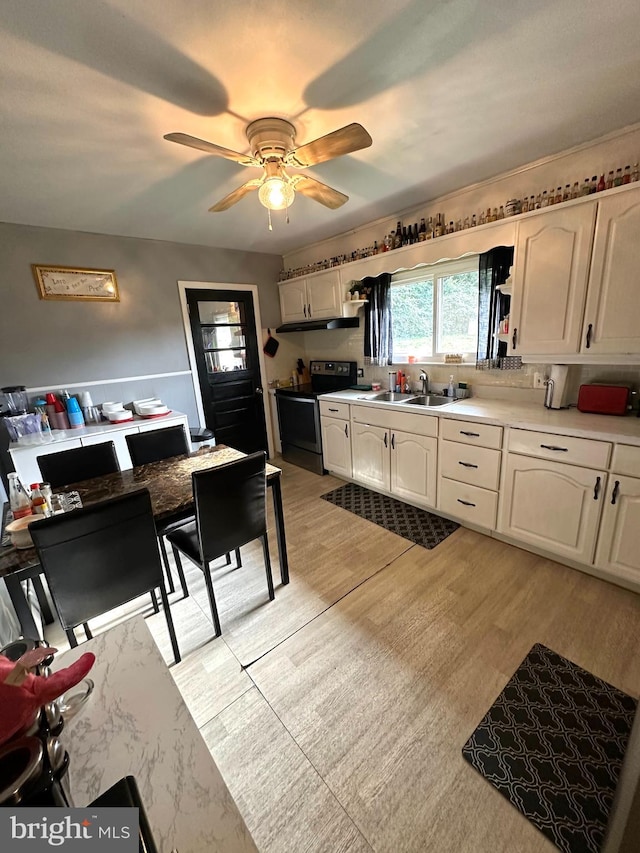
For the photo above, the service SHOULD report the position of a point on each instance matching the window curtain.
(493, 270)
(378, 338)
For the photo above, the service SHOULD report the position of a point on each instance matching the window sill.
(434, 363)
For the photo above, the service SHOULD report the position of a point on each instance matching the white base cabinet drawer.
(470, 503)
(468, 432)
(560, 448)
(334, 410)
(478, 466)
(626, 460)
(394, 419)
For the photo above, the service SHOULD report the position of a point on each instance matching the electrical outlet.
(539, 380)
(361, 373)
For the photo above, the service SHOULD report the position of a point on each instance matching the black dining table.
(170, 486)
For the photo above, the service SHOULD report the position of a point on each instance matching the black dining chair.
(81, 463)
(153, 446)
(230, 512)
(100, 557)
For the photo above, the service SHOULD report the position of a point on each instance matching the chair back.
(157, 444)
(230, 504)
(99, 557)
(81, 463)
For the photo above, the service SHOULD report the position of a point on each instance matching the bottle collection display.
(436, 226)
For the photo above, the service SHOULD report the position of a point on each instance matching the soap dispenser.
(451, 391)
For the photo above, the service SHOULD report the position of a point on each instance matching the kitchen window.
(435, 311)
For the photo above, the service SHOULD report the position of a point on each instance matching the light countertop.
(136, 723)
(531, 416)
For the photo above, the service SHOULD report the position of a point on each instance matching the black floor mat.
(416, 525)
(553, 743)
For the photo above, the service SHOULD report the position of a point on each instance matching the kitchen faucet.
(425, 382)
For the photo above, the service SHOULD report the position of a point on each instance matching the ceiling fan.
(272, 144)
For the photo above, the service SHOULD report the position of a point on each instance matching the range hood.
(316, 325)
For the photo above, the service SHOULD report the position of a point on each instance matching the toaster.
(603, 399)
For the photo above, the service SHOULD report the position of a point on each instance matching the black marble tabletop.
(168, 481)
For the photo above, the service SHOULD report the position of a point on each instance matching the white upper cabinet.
(318, 297)
(293, 301)
(611, 315)
(551, 269)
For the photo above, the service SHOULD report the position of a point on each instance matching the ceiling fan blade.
(350, 138)
(318, 191)
(210, 148)
(235, 196)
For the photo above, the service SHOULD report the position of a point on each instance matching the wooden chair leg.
(165, 562)
(170, 626)
(87, 630)
(267, 564)
(212, 600)
(238, 559)
(154, 601)
(71, 637)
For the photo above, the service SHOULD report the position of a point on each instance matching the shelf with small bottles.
(514, 208)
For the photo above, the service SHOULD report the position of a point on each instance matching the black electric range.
(299, 411)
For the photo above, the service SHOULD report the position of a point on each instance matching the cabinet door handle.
(393, 441)
(555, 447)
(514, 339)
(466, 503)
(587, 342)
(615, 492)
(309, 307)
(304, 308)
(386, 444)
(334, 410)
(596, 489)
(467, 464)
(470, 434)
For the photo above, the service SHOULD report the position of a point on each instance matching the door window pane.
(220, 312)
(224, 360)
(412, 312)
(457, 312)
(223, 337)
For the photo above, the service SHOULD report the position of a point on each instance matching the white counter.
(136, 723)
(25, 455)
(519, 415)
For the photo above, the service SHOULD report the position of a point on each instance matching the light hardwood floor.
(368, 673)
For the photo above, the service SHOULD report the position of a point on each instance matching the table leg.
(280, 534)
(43, 601)
(21, 606)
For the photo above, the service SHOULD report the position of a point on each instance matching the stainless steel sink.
(386, 397)
(430, 400)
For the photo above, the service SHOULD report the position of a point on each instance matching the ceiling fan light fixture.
(276, 193)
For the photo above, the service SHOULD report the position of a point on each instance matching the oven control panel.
(333, 368)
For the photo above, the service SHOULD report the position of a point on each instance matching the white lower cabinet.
(619, 542)
(552, 505)
(336, 446)
(371, 459)
(399, 462)
(413, 467)
(120, 443)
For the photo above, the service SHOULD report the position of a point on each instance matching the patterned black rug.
(415, 524)
(553, 743)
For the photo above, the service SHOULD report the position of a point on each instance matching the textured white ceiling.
(451, 92)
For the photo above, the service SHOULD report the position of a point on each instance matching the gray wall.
(47, 343)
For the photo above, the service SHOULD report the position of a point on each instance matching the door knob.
(259, 391)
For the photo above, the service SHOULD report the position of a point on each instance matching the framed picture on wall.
(72, 284)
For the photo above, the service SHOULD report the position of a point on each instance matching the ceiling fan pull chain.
(287, 214)
(270, 225)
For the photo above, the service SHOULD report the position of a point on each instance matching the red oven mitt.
(22, 693)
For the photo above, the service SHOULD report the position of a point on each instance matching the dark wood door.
(226, 347)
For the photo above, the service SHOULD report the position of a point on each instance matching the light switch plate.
(360, 372)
